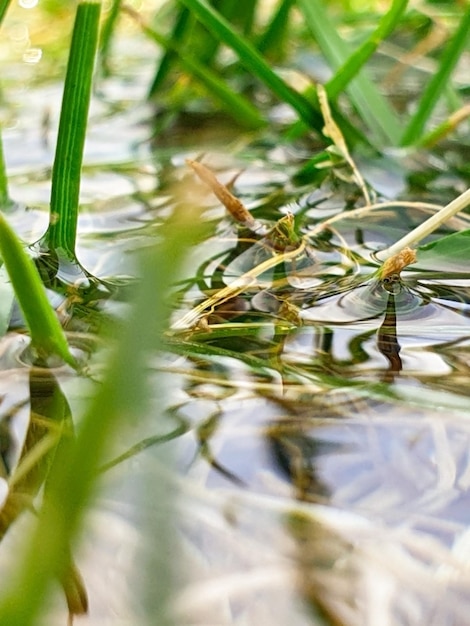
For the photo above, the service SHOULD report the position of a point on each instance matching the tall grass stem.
(66, 172)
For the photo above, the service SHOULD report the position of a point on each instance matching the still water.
(314, 427)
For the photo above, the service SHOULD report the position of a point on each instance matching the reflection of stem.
(246, 281)
(48, 430)
(387, 341)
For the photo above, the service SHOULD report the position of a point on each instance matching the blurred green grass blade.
(182, 26)
(66, 171)
(237, 106)
(247, 11)
(437, 85)
(46, 333)
(5, 202)
(357, 59)
(4, 4)
(274, 36)
(370, 104)
(106, 36)
(251, 59)
(123, 395)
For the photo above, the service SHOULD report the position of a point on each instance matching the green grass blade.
(370, 104)
(68, 159)
(240, 109)
(251, 59)
(438, 82)
(274, 36)
(122, 395)
(5, 202)
(4, 4)
(106, 36)
(247, 10)
(182, 26)
(357, 60)
(47, 335)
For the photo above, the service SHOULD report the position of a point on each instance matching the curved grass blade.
(254, 62)
(359, 58)
(438, 82)
(47, 335)
(236, 105)
(66, 172)
(370, 104)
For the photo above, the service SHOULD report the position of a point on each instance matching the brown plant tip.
(233, 205)
(395, 264)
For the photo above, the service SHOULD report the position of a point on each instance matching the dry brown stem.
(233, 205)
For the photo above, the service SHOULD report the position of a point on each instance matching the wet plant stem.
(66, 172)
(427, 227)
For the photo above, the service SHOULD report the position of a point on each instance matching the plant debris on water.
(234, 361)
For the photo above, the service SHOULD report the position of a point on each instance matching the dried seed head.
(396, 263)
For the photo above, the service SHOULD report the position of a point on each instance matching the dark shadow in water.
(387, 341)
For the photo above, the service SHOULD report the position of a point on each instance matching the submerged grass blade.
(254, 62)
(370, 104)
(47, 335)
(359, 58)
(124, 394)
(436, 86)
(66, 172)
(237, 106)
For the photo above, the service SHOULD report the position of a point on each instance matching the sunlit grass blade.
(370, 104)
(252, 60)
(47, 335)
(237, 106)
(123, 395)
(66, 172)
(438, 82)
(357, 59)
